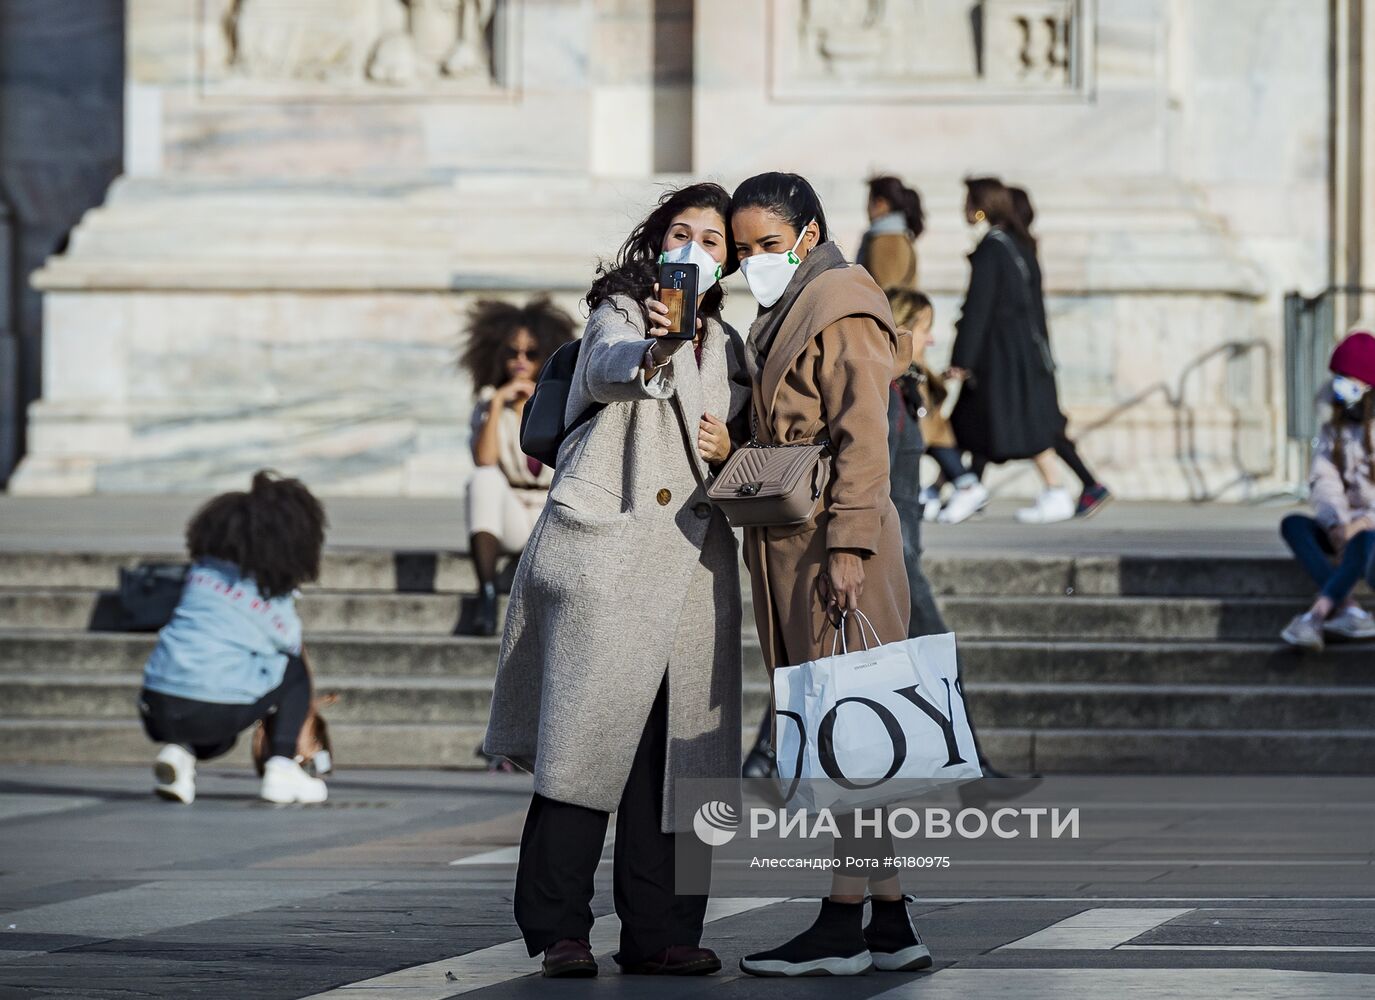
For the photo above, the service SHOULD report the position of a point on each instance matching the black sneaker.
(893, 939)
(832, 946)
(1092, 500)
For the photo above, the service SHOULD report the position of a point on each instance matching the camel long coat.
(827, 375)
(629, 575)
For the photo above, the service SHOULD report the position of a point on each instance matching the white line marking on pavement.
(943, 900)
(1099, 929)
(1139, 984)
(501, 856)
(1245, 947)
(157, 906)
(501, 962)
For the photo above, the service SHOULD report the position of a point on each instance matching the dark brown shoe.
(677, 960)
(569, 959)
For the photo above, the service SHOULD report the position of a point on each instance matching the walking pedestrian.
(506, 345)
(619, 672)
(232, 655)
(822, 353)
(1342, 492)
(888, 248)
(926, 394)
(1009, 407)
(1093, 495)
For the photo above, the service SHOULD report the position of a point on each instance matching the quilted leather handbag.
(772, 485)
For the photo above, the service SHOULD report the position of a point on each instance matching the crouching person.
(231, 655)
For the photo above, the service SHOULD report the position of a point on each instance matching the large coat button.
(664, 496)
(702, 510)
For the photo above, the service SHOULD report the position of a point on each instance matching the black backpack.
(542, 428)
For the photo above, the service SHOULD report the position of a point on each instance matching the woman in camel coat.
(822, 354)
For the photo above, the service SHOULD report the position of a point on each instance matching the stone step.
(1065, 751)
(466, 701)
(1078, 617)
(38, 652)
(448, 572)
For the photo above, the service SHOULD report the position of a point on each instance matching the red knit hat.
(1355, 357)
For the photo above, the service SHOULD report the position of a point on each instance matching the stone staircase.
(1087, 664)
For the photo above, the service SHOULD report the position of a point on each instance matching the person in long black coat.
(1009, 408)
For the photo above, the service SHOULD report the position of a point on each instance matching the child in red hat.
(1342, 492)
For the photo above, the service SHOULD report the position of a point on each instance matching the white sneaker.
(1051, 506)
(1304, 632)
(1351, 622)
(285, 781)
(175, 771)
(930, 500)
(965, 504)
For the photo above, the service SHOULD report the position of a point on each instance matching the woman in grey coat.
(619, 673)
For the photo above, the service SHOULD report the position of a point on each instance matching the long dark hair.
(1340, 417)
(902, 199)
(636, 266)
(1021, 207)
(992, 197)
(273, 533)
(493, 322)
(788, 196)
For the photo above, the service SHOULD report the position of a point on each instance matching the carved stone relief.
(352, 46)
(908, 48)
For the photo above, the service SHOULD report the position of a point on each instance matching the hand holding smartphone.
(678, 292)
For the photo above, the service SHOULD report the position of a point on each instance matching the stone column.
(622, 68)
(1353, 190)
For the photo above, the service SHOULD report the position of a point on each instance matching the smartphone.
(678, 291)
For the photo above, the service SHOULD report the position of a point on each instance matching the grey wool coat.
(629, 574)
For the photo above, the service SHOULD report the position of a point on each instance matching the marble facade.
(311, 202)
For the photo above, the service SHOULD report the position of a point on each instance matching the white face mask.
(768, 274)
(1347, 391)
(708, 271)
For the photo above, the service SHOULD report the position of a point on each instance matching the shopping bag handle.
(839, 641)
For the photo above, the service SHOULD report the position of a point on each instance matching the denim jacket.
(226, 643)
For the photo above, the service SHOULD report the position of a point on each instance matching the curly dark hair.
(273, 533)
(493, 322)
(636, 266)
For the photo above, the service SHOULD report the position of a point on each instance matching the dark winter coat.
(1009, 408)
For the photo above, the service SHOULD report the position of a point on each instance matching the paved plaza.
(400, 889)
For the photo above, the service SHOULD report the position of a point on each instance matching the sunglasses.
(520, 352)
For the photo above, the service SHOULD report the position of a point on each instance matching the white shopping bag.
(869, 726)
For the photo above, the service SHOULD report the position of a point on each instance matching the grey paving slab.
(156, 523)
(129, 898)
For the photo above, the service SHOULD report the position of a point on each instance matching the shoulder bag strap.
(693, 460)
(1028, 300)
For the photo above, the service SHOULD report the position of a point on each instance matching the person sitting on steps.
(1342, 492)
(506, 346)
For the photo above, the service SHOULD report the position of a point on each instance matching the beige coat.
(827, 375)
(629, 575)
(890, 259)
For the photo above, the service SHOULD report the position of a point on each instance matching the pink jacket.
(1340, 496)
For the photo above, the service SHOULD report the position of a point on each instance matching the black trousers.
(209, 730)
(562, 844)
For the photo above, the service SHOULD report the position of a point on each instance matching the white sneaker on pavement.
(1351, 622)
(1051, 506)
(285, 781)
(965, 504)
(930, 500)
(175, 771)
(1304, 632)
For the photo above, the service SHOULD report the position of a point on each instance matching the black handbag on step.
(148, 594)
